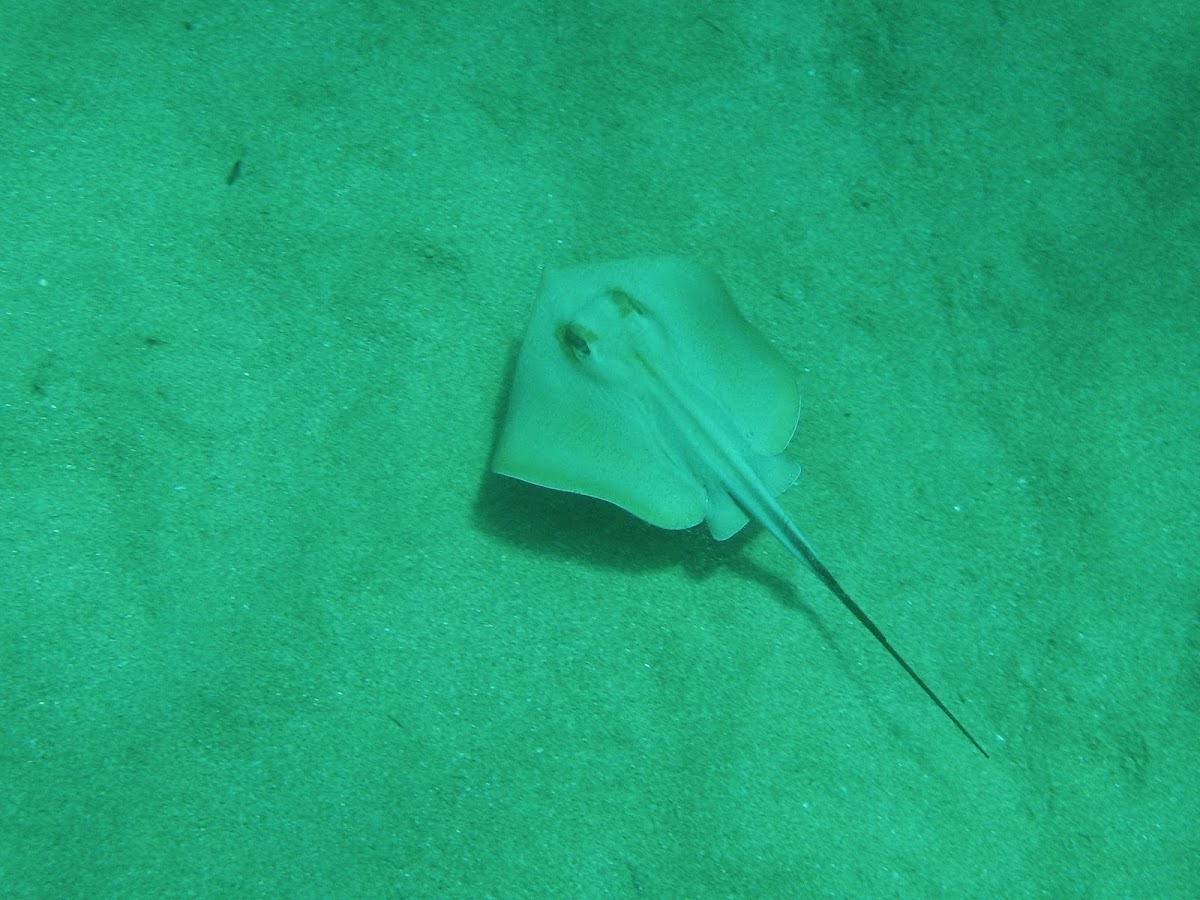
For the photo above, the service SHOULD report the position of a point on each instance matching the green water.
(269, 628)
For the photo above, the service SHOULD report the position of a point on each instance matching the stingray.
(639, 382)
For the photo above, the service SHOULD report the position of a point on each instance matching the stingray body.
(640, 383)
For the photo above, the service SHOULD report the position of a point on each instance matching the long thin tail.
(810, 559)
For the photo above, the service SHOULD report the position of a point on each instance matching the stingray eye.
(574, 340)
(626, 303)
